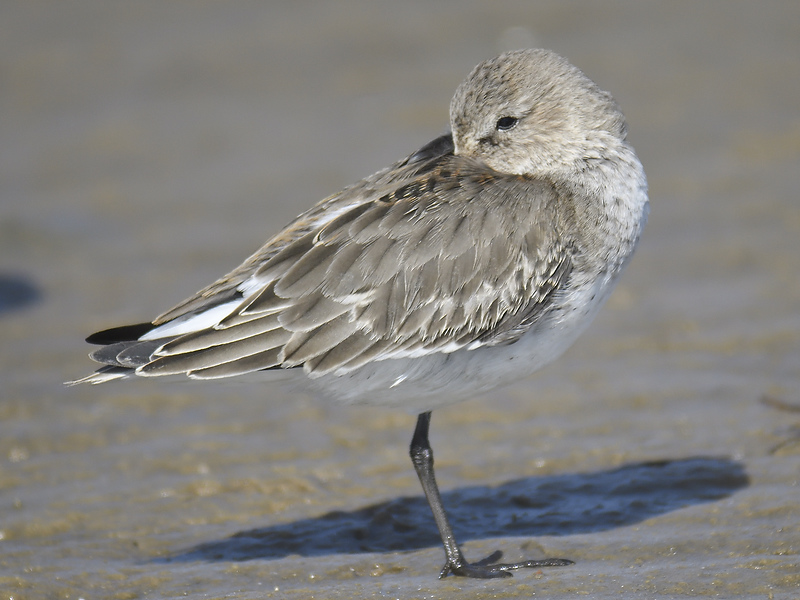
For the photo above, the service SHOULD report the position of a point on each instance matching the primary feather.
(421, 258)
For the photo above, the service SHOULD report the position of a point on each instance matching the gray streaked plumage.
(473, 262)
(481, 238)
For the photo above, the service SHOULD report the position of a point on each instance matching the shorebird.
(469, 264)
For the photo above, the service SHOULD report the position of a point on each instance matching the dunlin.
(468, 265)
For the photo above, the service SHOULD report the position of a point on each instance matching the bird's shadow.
(533, 506)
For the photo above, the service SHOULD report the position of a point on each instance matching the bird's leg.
(422, 457)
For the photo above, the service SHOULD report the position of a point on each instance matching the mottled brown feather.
(420, 258)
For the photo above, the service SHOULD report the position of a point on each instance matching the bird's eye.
(506, 123)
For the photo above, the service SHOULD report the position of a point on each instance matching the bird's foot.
(489, 569)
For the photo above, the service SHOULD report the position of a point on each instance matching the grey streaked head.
(532, 112)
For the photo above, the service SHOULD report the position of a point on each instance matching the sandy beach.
(147, 148)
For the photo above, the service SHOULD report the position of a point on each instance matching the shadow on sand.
(16, 292)
(533, 506)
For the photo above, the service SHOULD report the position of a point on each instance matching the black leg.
(422, 457)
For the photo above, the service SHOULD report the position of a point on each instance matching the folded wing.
(435, 254)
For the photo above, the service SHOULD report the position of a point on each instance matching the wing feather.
(256, 362)
(200, 340)
(174, 364)
(437, 254)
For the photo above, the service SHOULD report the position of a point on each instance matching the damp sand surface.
(147, 148)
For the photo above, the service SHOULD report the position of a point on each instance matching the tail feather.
(126, 333)
(103, 374)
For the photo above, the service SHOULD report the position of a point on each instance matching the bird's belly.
(428, 382)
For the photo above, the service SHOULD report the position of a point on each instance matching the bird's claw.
(489, 569)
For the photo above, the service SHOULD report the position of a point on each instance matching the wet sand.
(147, 148)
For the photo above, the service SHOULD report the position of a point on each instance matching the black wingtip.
(126, 333)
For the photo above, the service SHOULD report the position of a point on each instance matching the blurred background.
(146, 148)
